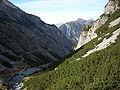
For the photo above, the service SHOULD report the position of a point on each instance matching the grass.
(86, 28)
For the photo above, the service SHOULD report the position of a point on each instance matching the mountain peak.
(90, 20)
(72, 29)
(80, 19)
(6, 2)
(110, 8)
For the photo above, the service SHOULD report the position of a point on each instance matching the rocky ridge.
(86, 36)
(72, 29)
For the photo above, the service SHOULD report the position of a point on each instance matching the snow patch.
(115, 22)
(99, 38)
(105, 43)
(55, 69)
(107, 34)
(78, 59)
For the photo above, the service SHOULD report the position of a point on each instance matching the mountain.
(85, 37)
(26, 40)
(95, 65)
(59, 24)
(72, 29)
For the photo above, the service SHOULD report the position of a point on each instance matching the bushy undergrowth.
(98, 71)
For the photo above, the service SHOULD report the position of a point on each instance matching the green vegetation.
(86, 28)
(104, 29)
(117, 1)
(105, 15)
(98, 71)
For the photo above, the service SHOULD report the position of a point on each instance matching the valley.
(79, 55)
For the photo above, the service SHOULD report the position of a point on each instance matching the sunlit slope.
(98, 71)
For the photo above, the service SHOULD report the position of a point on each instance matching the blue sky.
(57, 11)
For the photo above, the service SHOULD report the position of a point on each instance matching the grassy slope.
(98, 71)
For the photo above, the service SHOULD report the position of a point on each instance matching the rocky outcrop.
(26, 38)
(86, 36)
(72, 29)
(105, 43)
(112, 6)
(115, 22)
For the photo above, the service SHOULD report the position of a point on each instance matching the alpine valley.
(27, 42)
(38, 56)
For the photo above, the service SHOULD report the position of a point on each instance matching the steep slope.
(99, 70)
(59, 24)
(25, 38)
(72, 29)
(86, 36)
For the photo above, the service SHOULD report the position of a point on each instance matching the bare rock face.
(86, 36)
(72, 29)
(112, 6)
(26, 38)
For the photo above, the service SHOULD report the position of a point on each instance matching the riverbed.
(16, 80)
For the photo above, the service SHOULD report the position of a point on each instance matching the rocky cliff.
(86, 36)
(72, 29)
(26, 39)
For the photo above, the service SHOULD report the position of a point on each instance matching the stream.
(16, 80)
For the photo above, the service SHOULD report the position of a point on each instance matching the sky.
(61, 11)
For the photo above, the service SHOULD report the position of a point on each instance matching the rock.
(25, 37)
(112, 6)
(105, 43)
(72, 29)
(115, 22)
(86, 36)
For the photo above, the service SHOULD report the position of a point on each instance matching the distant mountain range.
(59, 24)
(72, 29)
